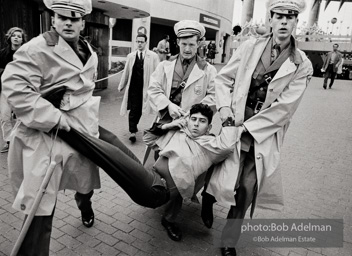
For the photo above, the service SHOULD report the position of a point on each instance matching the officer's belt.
(256, 104)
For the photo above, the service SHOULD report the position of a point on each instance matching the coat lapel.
(63, 50)
(169, 72)
(195, 74)
(92, 59)
(276, 87)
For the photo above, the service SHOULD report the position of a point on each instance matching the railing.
(315, 42)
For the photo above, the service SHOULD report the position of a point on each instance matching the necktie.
(140, 56)
(275, 52)
(185, 65)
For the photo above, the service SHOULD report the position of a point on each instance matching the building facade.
(32, 16)
(215, 15)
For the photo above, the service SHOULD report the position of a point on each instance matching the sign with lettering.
(142, 30)
(206, 19)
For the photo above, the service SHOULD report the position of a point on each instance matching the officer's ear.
(53, 21)
(83, 24)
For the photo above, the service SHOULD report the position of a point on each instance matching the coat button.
(23, 207)
(258, 156)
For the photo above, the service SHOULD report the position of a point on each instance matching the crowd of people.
(48, 82)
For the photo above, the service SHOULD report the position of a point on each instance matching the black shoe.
(324, 86)
(88, 218)
(173, 231)
(207, 209)
(228, 251)
(329, 87)
(132, 137)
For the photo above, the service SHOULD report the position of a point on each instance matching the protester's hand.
(179, 123)
(63, 124)
(225, 113)
(175, 111)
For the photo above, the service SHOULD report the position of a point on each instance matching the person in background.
(211, 52)
(202, 49)
(15, 37)
(139, 66)
(260, 89)
(331, 64)
(163, 48)
(58, 62)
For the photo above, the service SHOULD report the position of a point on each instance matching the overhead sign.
(142, 30)
(206, 19)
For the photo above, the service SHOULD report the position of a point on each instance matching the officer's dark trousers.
(173, 207)
(329, 73)
(246, 190)
(37, 240)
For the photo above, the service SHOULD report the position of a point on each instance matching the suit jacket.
(268, 127)
(337, 60)
(151, 60)
(41, 66)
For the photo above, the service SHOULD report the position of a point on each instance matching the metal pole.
(36, 203)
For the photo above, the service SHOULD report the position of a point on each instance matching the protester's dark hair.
(142, 35)
(165, 36)
(13, 30)
(204, 109)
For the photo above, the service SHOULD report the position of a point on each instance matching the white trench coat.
(39, 67)
(151, 60)
(199, 86)
(268, 127)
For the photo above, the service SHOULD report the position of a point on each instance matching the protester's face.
(68, 28)
(141, 43)
(16, 38)
(198, 124)
(188, 46)
(335, 47)
(283, 25)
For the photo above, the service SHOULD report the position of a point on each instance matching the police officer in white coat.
(175, 86)
(56, 61)
(260, 88)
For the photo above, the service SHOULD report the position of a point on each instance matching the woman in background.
(15, 37)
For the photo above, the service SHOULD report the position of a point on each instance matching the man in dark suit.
(330, 66)
(140, 64)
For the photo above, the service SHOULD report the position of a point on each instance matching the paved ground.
(316, 164)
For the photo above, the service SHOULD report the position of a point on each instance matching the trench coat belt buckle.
(183, 84)
(258, 106)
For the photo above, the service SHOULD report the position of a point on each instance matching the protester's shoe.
(330, 87)
(207, 209)
(88, 218)
(228, 251)
(324, 86)
(173, 231)
(5, 148)
(132, 137)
